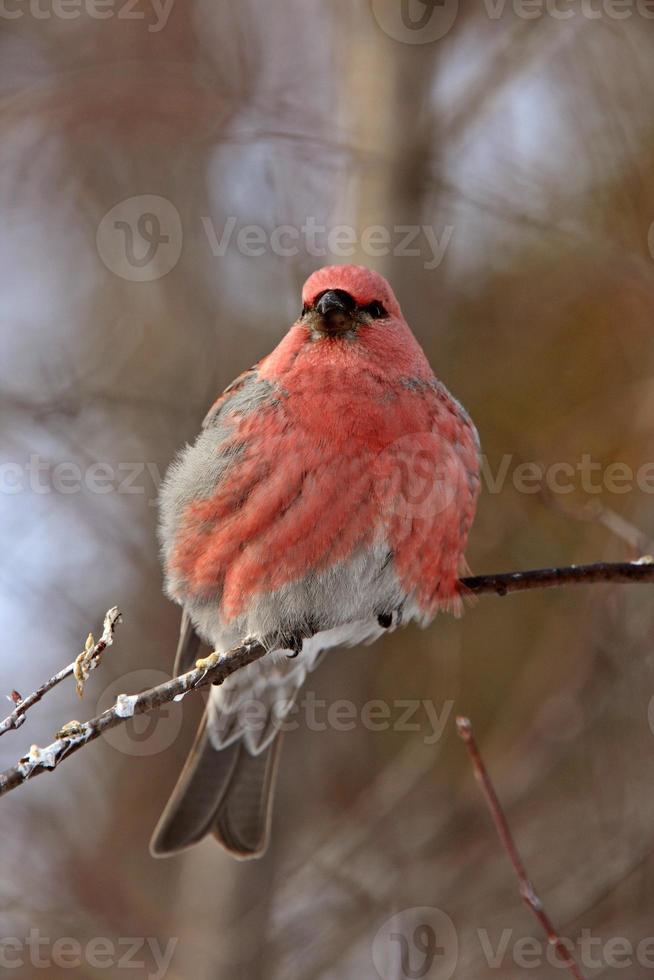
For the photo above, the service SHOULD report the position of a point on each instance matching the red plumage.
(351, 429)
(333, 487)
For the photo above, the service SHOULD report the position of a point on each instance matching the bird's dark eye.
(375, 310)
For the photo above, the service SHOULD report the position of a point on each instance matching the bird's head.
(350, 319)
(340, 299)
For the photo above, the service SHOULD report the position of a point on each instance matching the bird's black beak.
(335, 309)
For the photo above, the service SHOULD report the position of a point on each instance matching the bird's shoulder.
(438, 410)
(244, 393)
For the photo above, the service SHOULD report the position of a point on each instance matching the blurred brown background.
(523, 141)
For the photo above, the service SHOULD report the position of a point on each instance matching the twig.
(641, 570)
(87, 660)
(529, 896)
(216, 668)
(76, 734)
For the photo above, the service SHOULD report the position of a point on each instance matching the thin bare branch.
(217, 667)
(640, 571)
(74, 735)
(529, 896)
(87, 661)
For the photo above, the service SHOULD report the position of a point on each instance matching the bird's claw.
(295, 644)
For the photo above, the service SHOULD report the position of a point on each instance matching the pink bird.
(328, 498)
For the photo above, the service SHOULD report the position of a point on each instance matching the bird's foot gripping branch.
(73, 735)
